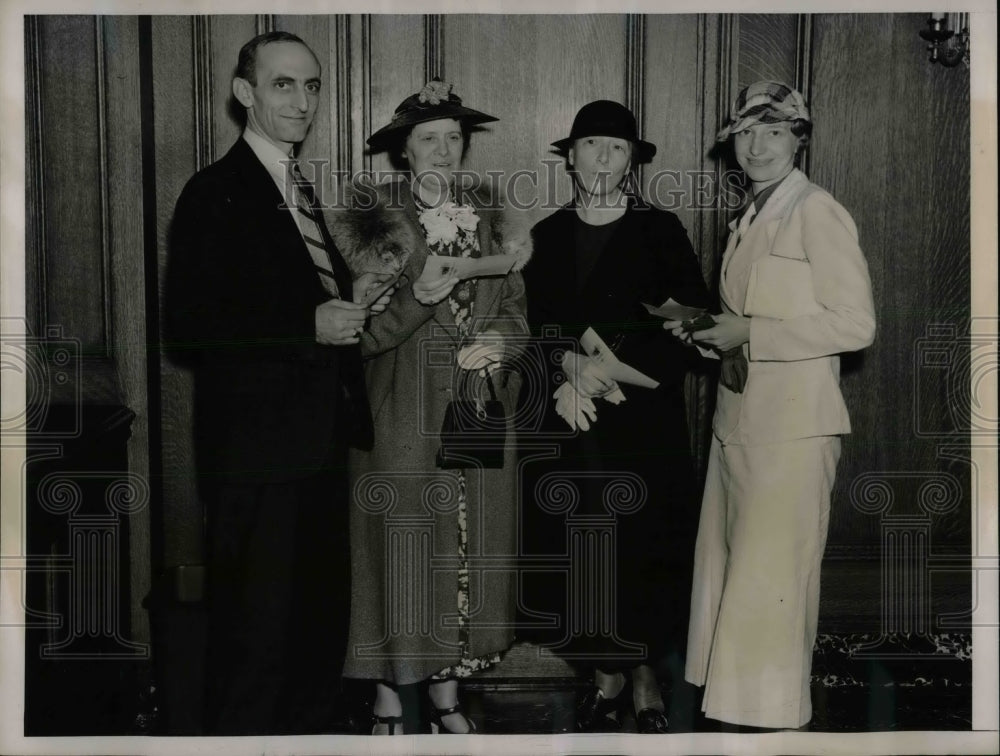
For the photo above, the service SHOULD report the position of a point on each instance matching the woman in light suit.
(795, 293)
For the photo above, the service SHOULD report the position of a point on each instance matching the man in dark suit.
(262, 302)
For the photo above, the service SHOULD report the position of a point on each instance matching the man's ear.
(570, 157)
(243, 92)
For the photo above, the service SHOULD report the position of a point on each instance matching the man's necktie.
(309, 224)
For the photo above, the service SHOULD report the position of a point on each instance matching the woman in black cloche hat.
(424, 611)
(623, 449)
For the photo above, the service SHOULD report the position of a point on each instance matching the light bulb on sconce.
(948, 34)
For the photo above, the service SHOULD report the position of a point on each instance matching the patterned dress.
(451, 231)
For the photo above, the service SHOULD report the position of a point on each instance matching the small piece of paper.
(468, 267)
(671, 310)
(595, 348)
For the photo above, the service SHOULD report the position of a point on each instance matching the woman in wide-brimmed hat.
(795, 293)
(627, 458)
(424, 606)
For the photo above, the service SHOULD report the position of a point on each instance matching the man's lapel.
(262, 189)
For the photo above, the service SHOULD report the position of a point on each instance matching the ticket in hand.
(468, 267)
(701, 323)
(671, 310)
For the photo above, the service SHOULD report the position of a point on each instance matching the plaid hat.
(764, 102)
(435, 101)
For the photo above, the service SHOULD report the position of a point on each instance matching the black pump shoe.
(390, 722)
(439, 728)
(592, 713)
(651, 722)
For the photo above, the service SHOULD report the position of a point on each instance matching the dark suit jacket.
(271, 403)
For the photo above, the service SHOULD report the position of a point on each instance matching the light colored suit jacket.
(800, 276)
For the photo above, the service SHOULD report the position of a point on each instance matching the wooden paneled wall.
(84, 246)
(891, 143)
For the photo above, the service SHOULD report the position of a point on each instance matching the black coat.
(271, 403)
(647, 259)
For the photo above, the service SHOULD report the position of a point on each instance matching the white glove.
(615, 395)
(578, 411)
(586, 375)
(484, 354)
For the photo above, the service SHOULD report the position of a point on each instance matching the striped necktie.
(309, 224)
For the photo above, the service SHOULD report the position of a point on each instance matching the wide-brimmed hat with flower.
(611, 119)
(436, 100)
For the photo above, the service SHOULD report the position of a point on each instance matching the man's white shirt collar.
(271, 156)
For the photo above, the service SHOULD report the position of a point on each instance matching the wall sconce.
(948, 34)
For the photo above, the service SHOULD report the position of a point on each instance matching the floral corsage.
(442, 224)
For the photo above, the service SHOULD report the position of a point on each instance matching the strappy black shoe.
(651, 722)
(594, 710)
(389, 722)
(439, 728)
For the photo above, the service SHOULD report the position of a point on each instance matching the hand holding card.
(436, 281)
(671, 310)
(701, 323)
(470, 267)
(595, 348)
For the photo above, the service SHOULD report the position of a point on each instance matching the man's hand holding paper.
(374, 290)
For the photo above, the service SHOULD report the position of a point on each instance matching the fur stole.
(374, 237)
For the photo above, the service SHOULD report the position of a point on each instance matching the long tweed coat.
(404, 510)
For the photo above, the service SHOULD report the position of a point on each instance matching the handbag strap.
(489, 383)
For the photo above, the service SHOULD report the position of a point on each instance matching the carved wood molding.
(728, 81)
(710, 50)
(433, 46)
(103, 183)
(803, 55)
(341, 101)
(635, 72)
(698, 387)
(351, 117)
(204, 138)
(36, 304)
(635, 64)
(803, 69)
(264, 23)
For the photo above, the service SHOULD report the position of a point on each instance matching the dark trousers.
(279, 605)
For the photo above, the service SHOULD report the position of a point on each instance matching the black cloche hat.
(434, 101)
(607, 118)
